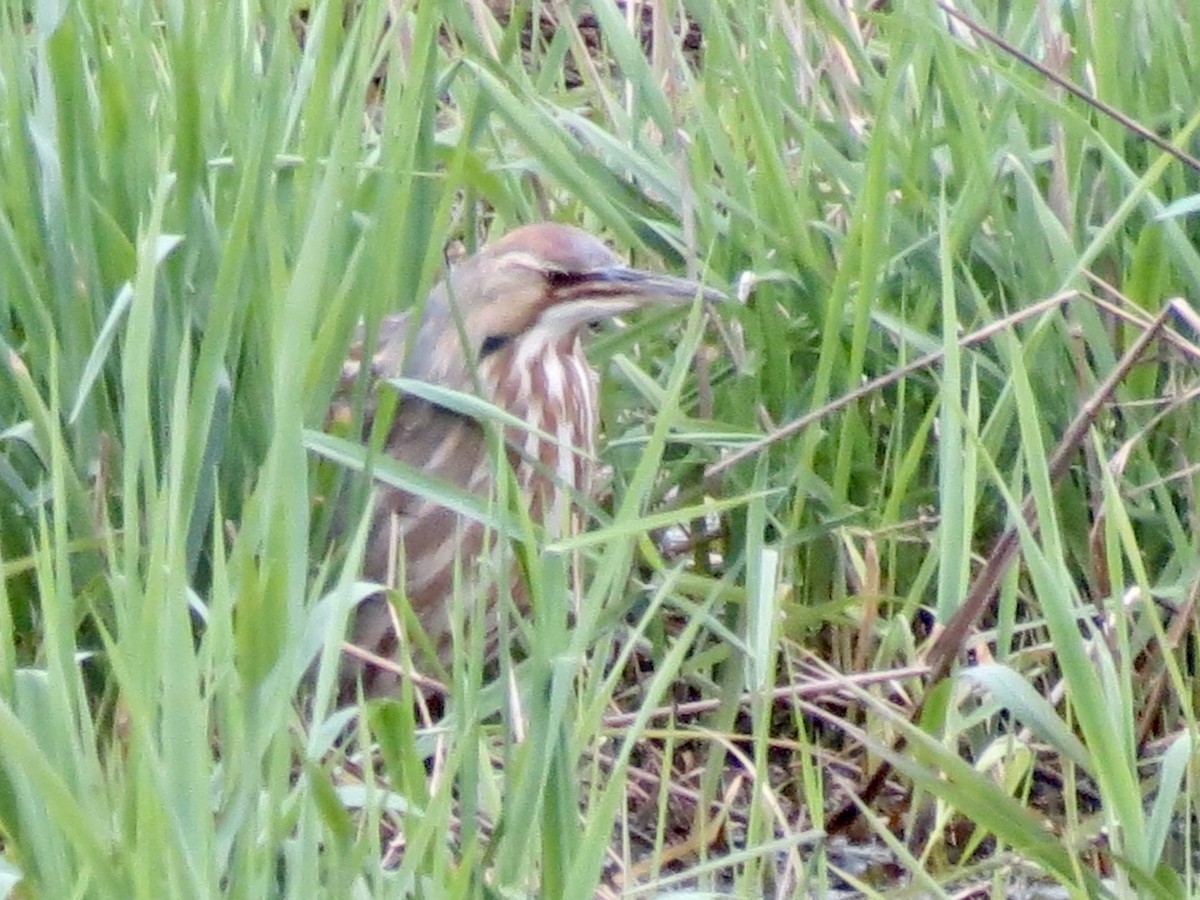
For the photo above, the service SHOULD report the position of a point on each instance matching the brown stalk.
(812, 688)
(714, 471)
(947, 646)
(1099, 105)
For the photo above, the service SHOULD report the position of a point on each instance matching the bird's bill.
(648, 287)
(599, 294)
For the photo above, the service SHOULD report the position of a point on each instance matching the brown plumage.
(523, 305)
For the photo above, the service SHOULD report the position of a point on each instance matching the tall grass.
(198, 202)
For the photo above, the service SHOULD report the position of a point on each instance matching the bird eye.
(557, 278)
(492, 343)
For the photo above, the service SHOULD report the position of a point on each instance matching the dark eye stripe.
(558, 279)
(492, 343)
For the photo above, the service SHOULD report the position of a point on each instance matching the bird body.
(507, 325)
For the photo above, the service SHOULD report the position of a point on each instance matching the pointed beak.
(648, 287)
(611, 291)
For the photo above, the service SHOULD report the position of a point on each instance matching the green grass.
(196, 207)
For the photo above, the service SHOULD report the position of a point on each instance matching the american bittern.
(508, 324)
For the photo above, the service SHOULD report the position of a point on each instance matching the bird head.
(544, 281)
